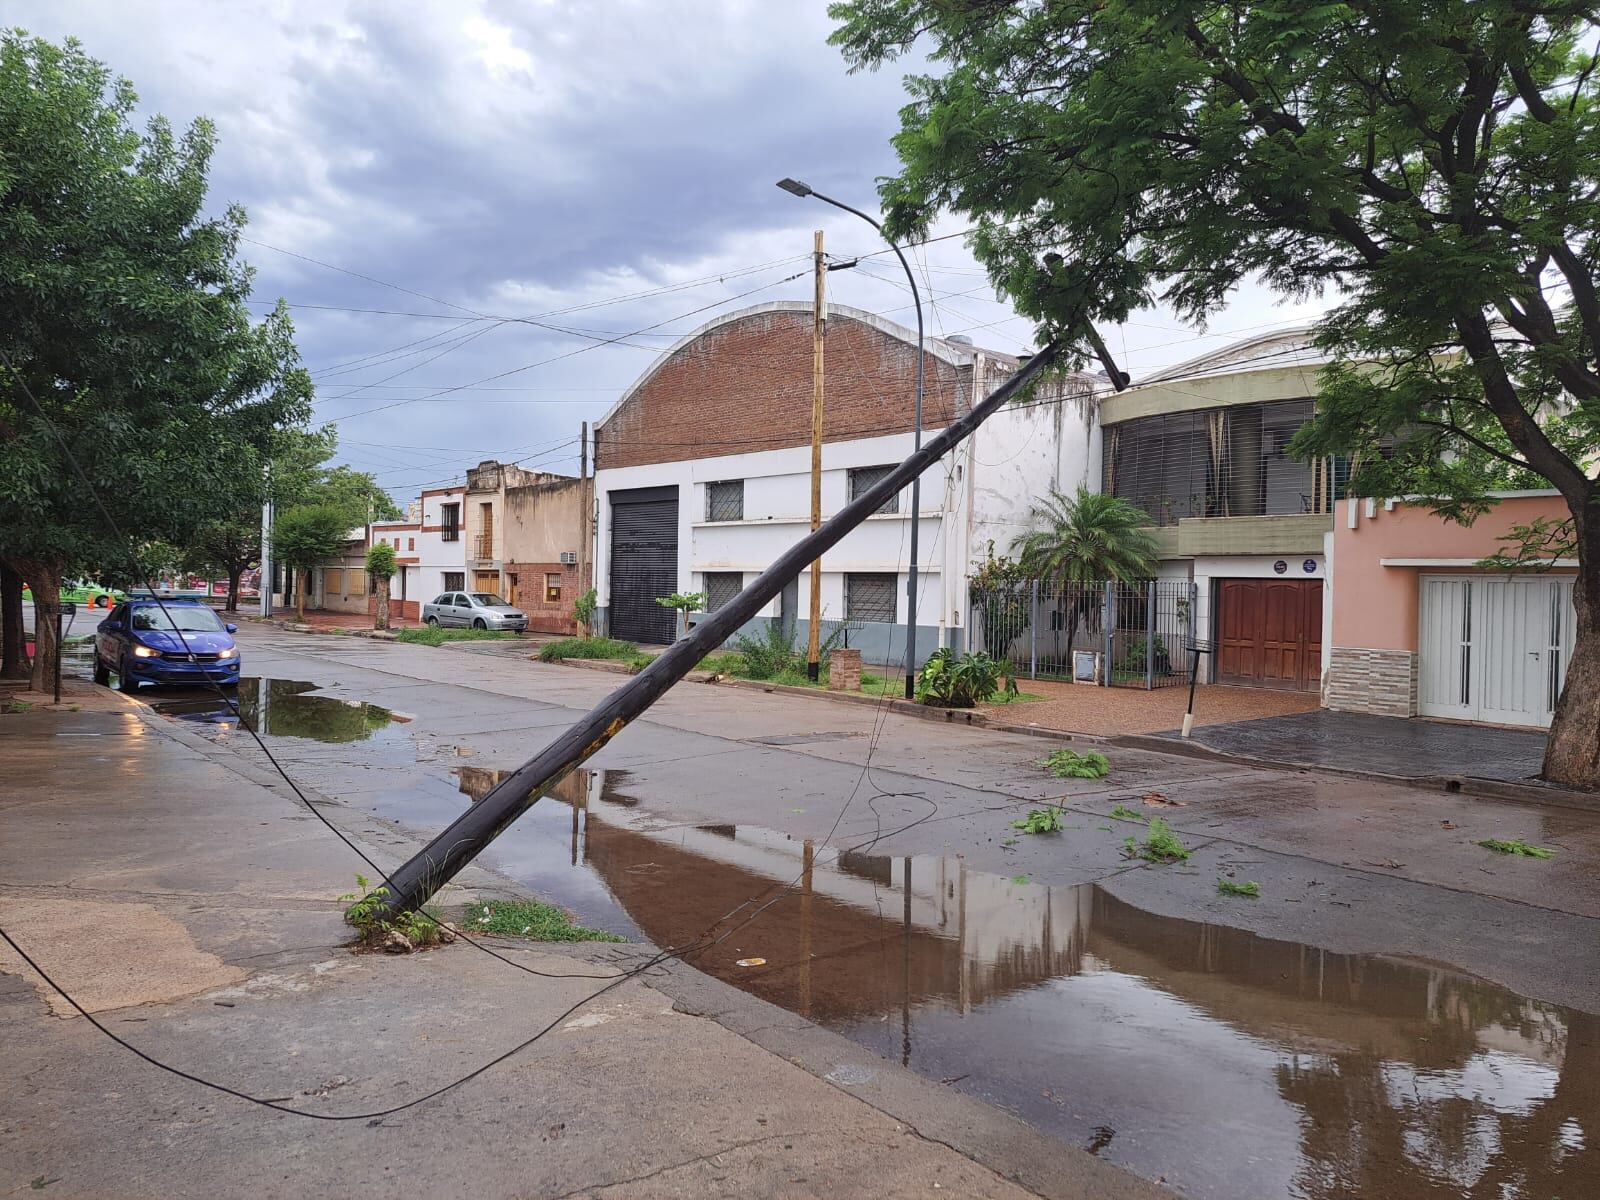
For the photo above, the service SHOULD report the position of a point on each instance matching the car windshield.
(190, 618)
(488, 599)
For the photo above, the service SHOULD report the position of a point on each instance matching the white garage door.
(1494, 649)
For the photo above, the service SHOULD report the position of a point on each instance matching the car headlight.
(146, 652)
(230, 652)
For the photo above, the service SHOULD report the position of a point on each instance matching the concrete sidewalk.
(192, 904)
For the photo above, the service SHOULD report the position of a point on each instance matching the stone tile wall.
(1382, 682)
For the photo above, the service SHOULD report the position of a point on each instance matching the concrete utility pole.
(265, 586)
(819, 331)
(471, 833)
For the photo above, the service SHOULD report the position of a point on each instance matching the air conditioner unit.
(568, 559)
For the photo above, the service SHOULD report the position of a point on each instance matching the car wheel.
(126, 682)
(102, 673)
(434, 621)
(479, 623)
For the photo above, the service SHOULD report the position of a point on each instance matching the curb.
(1472, 785)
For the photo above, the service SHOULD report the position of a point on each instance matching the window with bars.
(863, 479)
(1223, 462)
(552, 587)
(870, 597)
(455, 581)
(450, 523)
(725, 500)
(721, 587)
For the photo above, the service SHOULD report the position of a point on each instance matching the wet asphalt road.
(1394, 981)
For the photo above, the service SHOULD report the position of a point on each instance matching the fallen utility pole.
(471, 833)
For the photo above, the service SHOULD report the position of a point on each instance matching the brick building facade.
(703, 468)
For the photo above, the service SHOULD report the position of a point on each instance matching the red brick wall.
(399, 610)
(528, 595)
(746, 386)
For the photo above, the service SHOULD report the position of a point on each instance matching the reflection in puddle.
(1228, 1063)
(280, 708)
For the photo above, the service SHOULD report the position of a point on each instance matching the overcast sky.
(604, 165)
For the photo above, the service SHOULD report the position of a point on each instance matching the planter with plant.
(965, 681)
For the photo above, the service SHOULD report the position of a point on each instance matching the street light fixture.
(795, 188)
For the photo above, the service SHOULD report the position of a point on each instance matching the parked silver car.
(477, 610)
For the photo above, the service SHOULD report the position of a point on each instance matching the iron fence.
(1106, 632)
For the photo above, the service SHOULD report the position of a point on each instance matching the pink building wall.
(1377, 606)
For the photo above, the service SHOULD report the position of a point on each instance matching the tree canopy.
(1434, 168)
(141, 397)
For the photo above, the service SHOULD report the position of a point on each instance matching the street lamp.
(795, 188)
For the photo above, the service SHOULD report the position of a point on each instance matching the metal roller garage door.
(644, 563)
(1494, 649)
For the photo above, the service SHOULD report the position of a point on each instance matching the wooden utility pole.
(819, 328)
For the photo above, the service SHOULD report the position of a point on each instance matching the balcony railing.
(483, 545)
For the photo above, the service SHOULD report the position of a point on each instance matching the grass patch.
(533, 920)
(1160, 844)
(434, 635)
(1040, 820)
(588, 647)
(1123, 813)
(1002, 698)
(1070, 764)
(18, 706)
(1228, 887)
(1516, 846)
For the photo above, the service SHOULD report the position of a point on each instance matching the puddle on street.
(1225, 1063)
(275, 707)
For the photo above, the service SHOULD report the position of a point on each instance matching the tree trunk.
(13, 643)
(1572, 755)
(45, 580)
(382, 586)
(300, 596)
(233, 589)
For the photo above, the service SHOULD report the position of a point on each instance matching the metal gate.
(1494, 649)
(1106, 632)
(644, 563)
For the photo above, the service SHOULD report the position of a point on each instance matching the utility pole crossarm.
(471, 833)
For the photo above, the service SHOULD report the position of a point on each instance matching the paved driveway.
(1392, 745)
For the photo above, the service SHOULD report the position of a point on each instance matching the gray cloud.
(513, 159)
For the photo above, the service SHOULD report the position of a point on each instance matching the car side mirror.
(231, 628)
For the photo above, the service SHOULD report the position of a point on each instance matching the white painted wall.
(435, 555)
(777, 514)
(981, 492)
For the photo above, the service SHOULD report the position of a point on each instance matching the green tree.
(303, 537)
(381, 566)
(356, 493)
(1436, 166)
(1085, 538)
(229, 540)
(126, 350)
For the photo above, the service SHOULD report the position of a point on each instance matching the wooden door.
(1269, 633)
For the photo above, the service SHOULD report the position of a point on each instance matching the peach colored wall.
(1375, 607)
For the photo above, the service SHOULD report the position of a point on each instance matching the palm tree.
(1085, 538)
